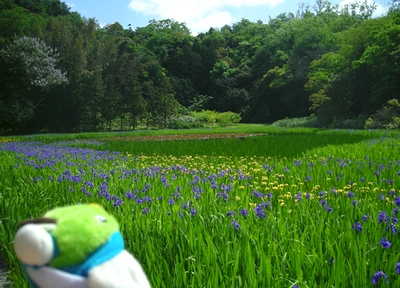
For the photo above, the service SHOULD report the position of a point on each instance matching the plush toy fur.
(76, 246)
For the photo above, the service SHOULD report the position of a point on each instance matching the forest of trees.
(61, 72)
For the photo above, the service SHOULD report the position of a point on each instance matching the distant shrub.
(222, 118)
(228, 118)
(184, 122)
(354, 123)
(297, 122)
(206, 116)
(386, 117)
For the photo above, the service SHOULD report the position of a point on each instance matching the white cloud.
(215, 19)
(199, 15)
(251, 3)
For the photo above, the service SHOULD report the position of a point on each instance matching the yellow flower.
(237, 198)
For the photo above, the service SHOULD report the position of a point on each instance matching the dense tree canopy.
(62, 72)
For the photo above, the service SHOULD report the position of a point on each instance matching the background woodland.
(61, 72)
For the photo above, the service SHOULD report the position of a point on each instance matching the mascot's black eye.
(101, 218)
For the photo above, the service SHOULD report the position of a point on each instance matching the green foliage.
(206, 116)
(386, 117)
(228, 118)
(357, 123)
(199, 103)
(360, 76)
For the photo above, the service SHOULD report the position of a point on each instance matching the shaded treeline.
(61, 72)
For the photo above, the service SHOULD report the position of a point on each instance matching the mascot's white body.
(106, 275)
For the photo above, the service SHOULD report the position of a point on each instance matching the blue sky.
(199, 15)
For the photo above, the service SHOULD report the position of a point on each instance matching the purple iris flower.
(385, 243)
(235, 224)
(332, 261)
(398, 267)
(244, 212)
(377, 276)
(257, 194)
(230, 213)
(357, 226)
(365, 218)
(394, 228)
(382, 216)
(259, 212)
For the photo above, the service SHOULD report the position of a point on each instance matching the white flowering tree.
(28, 67)
(35, 60)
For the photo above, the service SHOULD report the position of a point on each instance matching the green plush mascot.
(77, 246)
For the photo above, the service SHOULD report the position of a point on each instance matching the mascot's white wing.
(47, 277)
(122, 271)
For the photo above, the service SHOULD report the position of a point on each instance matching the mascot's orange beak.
(41, 220)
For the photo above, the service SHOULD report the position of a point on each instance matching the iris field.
(285, 208)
